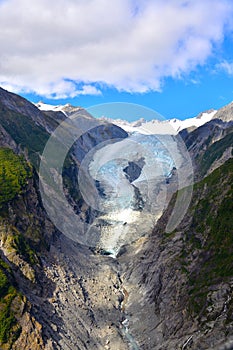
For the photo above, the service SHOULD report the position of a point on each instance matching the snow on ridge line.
(171, 126)
(46, 107)
(65, 109)
(198, 121)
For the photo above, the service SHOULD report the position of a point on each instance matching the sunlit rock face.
(130, 180)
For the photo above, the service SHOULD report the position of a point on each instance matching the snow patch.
(171, 127)
(66, 109)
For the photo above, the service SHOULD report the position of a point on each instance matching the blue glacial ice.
(129, 209)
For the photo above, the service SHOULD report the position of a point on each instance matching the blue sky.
(173, 56)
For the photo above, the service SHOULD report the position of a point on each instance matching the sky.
(173, 56)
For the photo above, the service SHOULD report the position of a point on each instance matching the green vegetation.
(14, 172)
(10, 299)
(9, 328)
(4, 284)
(20, 222)
(21, 247)
(211, 233)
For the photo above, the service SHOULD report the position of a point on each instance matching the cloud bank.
(66, 48)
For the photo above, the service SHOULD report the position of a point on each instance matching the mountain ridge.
(162, 291)
(137, 125)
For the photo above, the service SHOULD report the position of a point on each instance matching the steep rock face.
(209, 146)
(134, 169)
(97, 135)
(6, 140)
(25, 232)
(184, 279)
(20, 105)
(31, 335)
(225, 113)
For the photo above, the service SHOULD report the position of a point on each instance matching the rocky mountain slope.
(184, 278)
(163, 291)
(25, 232)
(211, 144)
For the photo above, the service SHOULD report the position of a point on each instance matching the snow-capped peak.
(172, 126)
(67, 109)
(197, 121)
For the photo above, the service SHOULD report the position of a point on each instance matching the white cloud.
(226, 66)
(62, 48)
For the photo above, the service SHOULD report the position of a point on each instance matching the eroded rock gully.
(83, 303)
(137, 301)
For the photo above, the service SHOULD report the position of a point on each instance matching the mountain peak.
(66, 109)
(170, 126)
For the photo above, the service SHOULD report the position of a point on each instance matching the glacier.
(130, 205)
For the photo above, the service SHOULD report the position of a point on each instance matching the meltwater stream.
(132, 343)
(130, 177)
